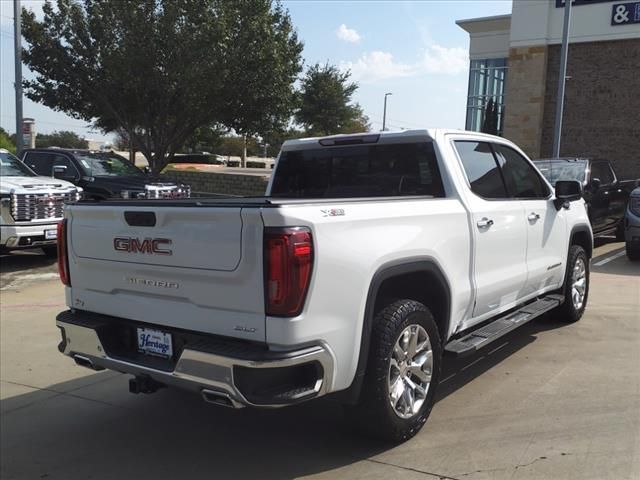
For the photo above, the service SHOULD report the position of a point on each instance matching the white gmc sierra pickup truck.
(30, 206)
(370, 257)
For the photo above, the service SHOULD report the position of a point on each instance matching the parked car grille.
(160, 190)
(26, 207)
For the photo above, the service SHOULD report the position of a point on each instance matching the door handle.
(533, 217)
(484, 222)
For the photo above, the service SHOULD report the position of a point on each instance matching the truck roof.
(376, 137)
(562, 159)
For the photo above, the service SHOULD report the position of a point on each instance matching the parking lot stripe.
(609, 259)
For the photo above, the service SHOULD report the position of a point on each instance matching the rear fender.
(386, 272)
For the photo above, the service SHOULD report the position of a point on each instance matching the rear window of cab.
(390, 170)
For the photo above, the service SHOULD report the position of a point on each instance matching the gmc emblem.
(50, 200)
(151, 246)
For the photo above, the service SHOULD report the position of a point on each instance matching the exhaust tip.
(86, 362)
(218, 398)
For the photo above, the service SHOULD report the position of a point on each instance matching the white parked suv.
(370, 257)
(30, 206)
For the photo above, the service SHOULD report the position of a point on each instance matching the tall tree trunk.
(132, 151)
(243, 160)
(159, 162)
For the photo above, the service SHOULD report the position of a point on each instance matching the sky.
(412, 49)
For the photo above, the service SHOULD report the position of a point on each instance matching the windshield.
(107, 165)
(358, 171)
(10, 166)
(554, 171)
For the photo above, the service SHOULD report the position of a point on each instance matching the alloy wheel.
(410, 370)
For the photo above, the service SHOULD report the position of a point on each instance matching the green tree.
(208, 138)
(62, 139)
(235, 145)
(156, 69)
(275, 139)
(263, 62)
(6, 142)
(358, 122)
(326, 105)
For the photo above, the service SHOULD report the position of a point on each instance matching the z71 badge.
(333, 212)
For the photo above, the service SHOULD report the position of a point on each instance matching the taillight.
(63, 260)
(288, 260)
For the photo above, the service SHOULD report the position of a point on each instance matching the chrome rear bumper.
(210, 374)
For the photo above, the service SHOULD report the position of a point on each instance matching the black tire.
(569, 312)
(374, 413)
(51, 251)
(633, 254)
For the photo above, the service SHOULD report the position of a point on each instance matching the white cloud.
(377, 66)
(447, 61)
(436, 59)
(348, 34)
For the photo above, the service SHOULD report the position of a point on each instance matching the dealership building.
(513, 79)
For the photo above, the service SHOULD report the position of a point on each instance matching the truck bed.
(242, 202)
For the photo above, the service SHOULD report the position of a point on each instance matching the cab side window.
(602, 171)
(40, 162)
(63, 161)
(521, 178)
(483, 173)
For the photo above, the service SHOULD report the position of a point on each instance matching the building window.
(485, 102)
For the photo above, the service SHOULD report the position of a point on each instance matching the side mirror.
(595, 184)
(60, 171)
(567, 191)
(64, 173)
(146, 170)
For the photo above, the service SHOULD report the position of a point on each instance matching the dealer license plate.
(50, 234)
(154, 342)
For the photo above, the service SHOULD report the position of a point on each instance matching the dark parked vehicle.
(204, 158)
(632, 226)
(101, 175)
(606, 196)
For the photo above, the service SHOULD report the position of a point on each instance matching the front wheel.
(576, 286)
(402, 372)
(633, 253)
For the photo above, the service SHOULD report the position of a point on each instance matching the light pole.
(17, 11)
(562, 78)
(384, 114)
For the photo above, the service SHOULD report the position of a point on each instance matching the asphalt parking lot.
(551, 401)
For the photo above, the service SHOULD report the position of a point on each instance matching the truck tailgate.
(190, 268)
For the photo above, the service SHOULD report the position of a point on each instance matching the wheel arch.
(401, 279)
(582, 235)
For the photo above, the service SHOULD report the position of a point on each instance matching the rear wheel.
(576, 286)
(402, 372)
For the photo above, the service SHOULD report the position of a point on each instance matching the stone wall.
(602, 103)
(219, 183)
(524, 97)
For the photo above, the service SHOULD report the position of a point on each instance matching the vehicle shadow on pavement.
(17, 262)
(616, 263)
(93, 428)
(14, 267)
(171, 434)
(457, 372)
